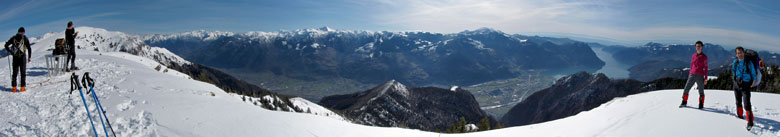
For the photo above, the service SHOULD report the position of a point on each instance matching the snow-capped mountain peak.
(483, 30)
(102, 40)
(389, 87)
(326, 28)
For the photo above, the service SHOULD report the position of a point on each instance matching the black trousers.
(71, 56)
(742, 95)
(20, 64)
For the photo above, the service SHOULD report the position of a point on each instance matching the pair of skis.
(86, 81)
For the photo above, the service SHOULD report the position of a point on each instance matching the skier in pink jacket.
(697, 74)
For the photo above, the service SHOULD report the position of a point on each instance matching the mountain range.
(285, 61)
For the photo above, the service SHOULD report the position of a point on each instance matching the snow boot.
(701, 102)
(739, 113)
(14, 89)
(23, 89)
(684, 101)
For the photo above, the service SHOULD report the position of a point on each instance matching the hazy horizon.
(629, 22)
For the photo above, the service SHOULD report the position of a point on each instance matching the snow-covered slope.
(102, 40)
(655, 114)
(140, 101)
(134, 93)
(305, 105)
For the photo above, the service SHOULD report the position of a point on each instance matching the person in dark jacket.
(744, 74)
(70, 38)
(20, 46)
(697, 74)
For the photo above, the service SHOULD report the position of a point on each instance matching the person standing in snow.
(744, 73)
(20, 46)
(70, 38)
(697, 74)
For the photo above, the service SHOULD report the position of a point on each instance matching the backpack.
(752, 57)
(17, 49)
(59, 47)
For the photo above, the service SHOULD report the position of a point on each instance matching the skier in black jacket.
(70, 38)
(20, 46)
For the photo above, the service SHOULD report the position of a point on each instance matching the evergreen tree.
(499, 125)
(457, 127)
(460, 126)
(484, 124)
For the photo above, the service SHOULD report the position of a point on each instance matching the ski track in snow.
(49, 110)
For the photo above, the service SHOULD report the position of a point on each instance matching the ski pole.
(104, 112)
(89, 116)
(10, 69)
(74, 80)
(89, 82)
(94, 98)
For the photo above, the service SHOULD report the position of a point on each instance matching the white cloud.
(597, 18)
(455, 16)
(59, 25)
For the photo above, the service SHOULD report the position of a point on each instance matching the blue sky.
(631, 22)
